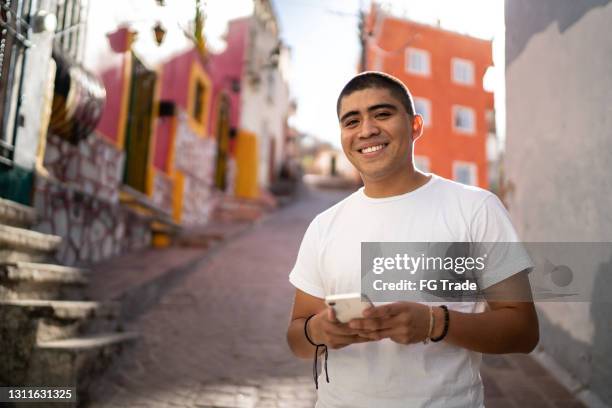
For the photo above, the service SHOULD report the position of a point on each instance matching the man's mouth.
(372, 149)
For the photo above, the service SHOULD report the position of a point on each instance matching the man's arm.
(509, 326)
(304, 305)
(323, 328)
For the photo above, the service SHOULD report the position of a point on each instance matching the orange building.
(444, 71)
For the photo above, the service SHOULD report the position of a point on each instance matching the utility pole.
(362, 40)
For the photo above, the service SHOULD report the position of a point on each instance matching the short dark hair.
(376, 79)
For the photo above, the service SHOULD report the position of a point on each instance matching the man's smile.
(372, 149)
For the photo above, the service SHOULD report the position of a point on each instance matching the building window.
(417, 61)
(463, 71)
(198, 102)
(463, 119)
(422, 163)
(422, 106)
(465, 173)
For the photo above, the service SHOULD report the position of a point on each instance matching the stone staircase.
(50, 335)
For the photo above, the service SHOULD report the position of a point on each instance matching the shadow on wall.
(601, 312)
(591, 364)
(539, 16)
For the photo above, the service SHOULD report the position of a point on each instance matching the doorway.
(138, 132)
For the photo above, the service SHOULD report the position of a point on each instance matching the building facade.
(557, 167)
(444, 71)
(257, 68)
(105, 125)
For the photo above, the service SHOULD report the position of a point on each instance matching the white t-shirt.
(385, 373)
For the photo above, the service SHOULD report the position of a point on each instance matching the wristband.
(446, 324)
(315, 370)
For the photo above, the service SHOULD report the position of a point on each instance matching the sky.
(322, 35)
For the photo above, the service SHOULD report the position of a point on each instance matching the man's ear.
(417, 126)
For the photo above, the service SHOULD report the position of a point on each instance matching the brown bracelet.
(446, 324)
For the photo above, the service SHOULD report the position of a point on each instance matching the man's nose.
(368, 128)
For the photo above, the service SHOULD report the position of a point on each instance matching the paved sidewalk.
(218, 338)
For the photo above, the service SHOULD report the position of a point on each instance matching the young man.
(381, 360)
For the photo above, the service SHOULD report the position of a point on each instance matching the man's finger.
(331, 314)
(369, 324)
(383, 334)
(384, 311)
(340, 329)
(347, 340)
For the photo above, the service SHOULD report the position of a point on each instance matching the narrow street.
(218, 339)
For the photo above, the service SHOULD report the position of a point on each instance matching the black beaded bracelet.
(315, 370)
(446, 323)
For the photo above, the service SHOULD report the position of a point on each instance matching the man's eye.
(383, 115)
(350, 123)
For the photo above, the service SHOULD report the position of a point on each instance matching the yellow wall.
(196, 74)
(177, 196)
(246, 163)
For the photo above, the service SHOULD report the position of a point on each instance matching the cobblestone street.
(218, 338)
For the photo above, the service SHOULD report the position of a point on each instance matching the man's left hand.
(402, 322)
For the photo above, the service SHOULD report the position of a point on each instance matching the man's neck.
(398, 184)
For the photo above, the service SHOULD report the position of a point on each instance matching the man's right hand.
(324, 328)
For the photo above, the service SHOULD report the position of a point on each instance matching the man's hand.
(402, 322)
(324, 328)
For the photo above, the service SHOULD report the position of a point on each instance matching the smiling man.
(386, 358)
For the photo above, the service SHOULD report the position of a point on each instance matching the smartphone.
(348, 306)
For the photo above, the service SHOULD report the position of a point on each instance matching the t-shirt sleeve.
(305, 274)
(497, 240)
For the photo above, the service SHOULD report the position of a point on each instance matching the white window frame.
(423, 71)
(427, 103)
(455, 111)
(424, 162)
(458, 64)
(473, 169)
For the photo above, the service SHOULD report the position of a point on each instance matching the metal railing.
(14, 28)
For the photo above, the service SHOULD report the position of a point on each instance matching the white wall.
(264, 112)
(558, 162)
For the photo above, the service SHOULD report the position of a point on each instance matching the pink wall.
(175, 78)
(222, 68)
(109, 122)
(226, 66)
(114, 83)
(174, 87)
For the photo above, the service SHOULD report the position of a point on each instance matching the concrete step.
(15, 214)
(26, 280)
(18, 244)
(75, 362)
(33, 320)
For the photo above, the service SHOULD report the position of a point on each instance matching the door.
(223, 136)
(139, 126)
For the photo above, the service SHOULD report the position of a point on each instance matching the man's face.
(377, 133)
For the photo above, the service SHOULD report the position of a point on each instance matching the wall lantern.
(160, 33)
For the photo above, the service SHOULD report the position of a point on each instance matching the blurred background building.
(120, 127)
(444, 70)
